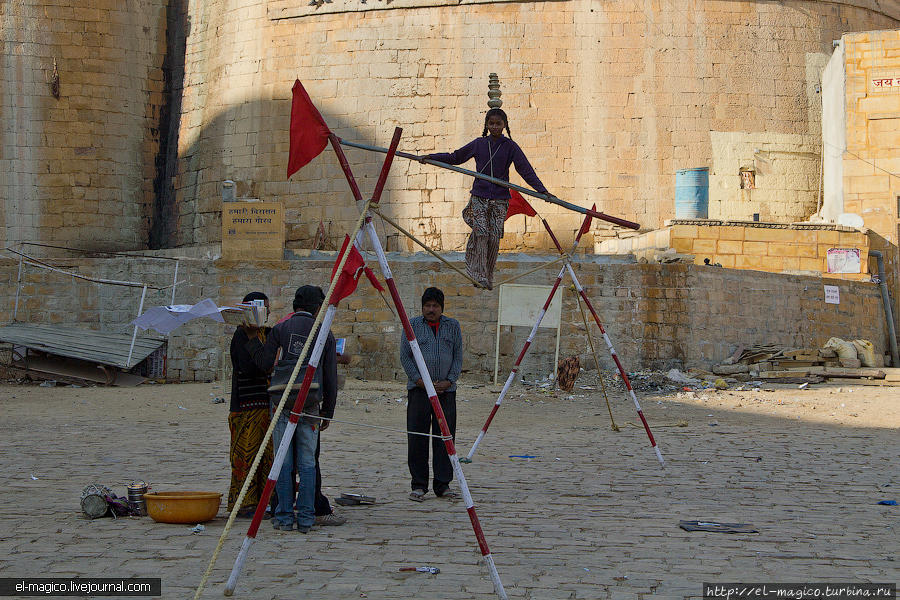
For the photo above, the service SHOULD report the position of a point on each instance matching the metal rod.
(888, 312)
(18, 288)
(174, 282)
(39, 263)
(524, 190)
(134, 335)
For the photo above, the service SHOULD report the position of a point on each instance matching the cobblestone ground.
(592, 516)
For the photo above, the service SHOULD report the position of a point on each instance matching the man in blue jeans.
(289, 337)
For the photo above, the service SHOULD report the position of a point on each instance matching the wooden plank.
(782, 374)
(858, 381)
(842, 372)
(891, 374)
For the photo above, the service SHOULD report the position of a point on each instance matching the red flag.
(350, 274)
(586, 226)
(518, 206)
(309, 133)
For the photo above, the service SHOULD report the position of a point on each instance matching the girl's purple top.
(493, 157)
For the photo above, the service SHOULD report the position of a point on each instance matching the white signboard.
(521, 305)
(832, 294)
(843, 260)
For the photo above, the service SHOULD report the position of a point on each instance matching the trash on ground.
(431, 570)
(354, 499)
(716, 527)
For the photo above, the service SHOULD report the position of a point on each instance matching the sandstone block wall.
(657, 315)
(872, 157)
(607, 99)
(78, 170)
(758, 247)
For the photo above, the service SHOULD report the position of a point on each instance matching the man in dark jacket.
(287, 339)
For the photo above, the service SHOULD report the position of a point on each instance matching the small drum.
(93, 500)
(136, 491)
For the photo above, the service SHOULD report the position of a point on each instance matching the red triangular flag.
(518, 206)
(373, 280)
(586, 226)
(309, 133)
(349, 276)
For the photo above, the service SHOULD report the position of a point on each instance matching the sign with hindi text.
(252, 231)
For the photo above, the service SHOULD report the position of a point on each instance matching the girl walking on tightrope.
(488, 204)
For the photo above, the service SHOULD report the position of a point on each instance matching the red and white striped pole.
(537, 324)
(417, 353)
(615, 357)
(438, 411)
(316, 354)
(609, 346)
(283, 448)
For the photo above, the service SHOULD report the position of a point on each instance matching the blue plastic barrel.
(692, 193)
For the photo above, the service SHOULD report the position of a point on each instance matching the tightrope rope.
(287, 390)
(440, 437)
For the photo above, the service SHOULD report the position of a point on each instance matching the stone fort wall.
(658, 316)
(78, 169)
(607, 99)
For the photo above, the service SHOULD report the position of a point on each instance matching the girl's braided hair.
(496, 112)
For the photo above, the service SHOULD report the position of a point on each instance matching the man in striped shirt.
(440, 340)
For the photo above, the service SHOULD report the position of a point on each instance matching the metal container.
(136, 491)
(692, 193)
(93, 501)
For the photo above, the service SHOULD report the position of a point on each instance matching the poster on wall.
(832, 294)
(843, 260)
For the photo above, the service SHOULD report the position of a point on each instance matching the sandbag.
(843, 349)
(865, 352)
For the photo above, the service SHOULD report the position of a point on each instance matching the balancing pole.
(537, 324)
(423, 371)
(612, 351)
(545, 197)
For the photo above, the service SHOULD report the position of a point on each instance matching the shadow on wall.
(249, 144)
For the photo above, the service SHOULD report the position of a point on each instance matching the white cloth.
(165, 319)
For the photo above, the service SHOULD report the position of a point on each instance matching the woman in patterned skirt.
(487, 206)
(249, 418)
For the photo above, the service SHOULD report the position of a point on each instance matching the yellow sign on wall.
(253, 230)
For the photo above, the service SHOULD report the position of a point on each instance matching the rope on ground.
(431, 435)
(287, 390)
(590, 337)
(397, 226)
(675, 424)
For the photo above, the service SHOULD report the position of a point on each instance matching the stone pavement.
(593, 516)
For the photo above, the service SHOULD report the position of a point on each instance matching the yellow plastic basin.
(182, 507)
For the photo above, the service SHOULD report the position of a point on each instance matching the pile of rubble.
(837, 360)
